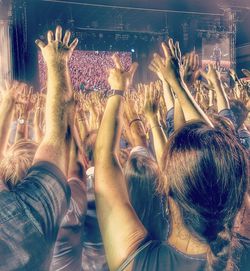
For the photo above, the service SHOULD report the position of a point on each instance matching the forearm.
(191, 109)
(137, 132)
(113, 208)
(59, 93)
(159, 138)
(168, 96)
(21, 131)
(222, 100)
(82, 125)
(38, 134)
(127, 132)
(53, 146)
(6, 115)
(179, 118)
(110, 130)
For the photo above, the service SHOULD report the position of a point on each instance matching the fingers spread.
(203, 74)
(157, 60)
(171, 47)
(166, 50)
(50, 36)
(153, 68)
(73, 44)
(58, 34)
(40, 44)
(66, 38)
(117, 61)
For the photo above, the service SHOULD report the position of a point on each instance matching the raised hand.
(57, 50)
(190, 68)
(212, 76)
(25, 100)
(118, 78)
(168, 68)
(12, 90)
(151, 101)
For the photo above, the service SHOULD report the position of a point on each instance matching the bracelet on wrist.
(114, 92)
(134, 120)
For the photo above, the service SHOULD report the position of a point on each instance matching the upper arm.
(122, 231)
(44, 195)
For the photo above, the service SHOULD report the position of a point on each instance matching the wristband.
(114, 92)
(134, 120)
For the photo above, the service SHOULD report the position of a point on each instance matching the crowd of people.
(83, 69)
(133, 177)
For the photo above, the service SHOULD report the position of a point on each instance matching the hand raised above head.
(118, 78)
(57, 50)
(12, 90)
(151, 100)
(190, 67)
(168, 68)
(212, 76)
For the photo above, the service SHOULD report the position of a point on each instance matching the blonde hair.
(17, 161)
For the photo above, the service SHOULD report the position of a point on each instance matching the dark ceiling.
(144, 14)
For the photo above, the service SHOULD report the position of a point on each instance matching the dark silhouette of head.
(207, 177)
(240, 112)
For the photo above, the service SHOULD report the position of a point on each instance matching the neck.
(180, 237)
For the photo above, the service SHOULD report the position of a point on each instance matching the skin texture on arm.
(37, 123)
(168, 95)
(212, 76)
(136, 127)
(24, 105)
(170, 69)
(6, 113)
(151, 110)
(59, 95)
(179, 118)
(121, 230)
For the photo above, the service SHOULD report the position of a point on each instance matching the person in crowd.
(205, 179)
(32, 211)
(240, 113)
(158, 173)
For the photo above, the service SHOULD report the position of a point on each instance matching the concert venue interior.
(124, 135)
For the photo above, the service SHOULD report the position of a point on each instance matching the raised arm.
(7, 106)
(151, 110)
(135, 126)
(170, 69)
(25, 105)
(59, 95)
(121, 230)
(212, 76)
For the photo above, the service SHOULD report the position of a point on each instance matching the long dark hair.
(207, 176)
(142, 175)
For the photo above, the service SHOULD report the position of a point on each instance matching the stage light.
(132, 50)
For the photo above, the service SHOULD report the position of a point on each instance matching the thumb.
(132, 70)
